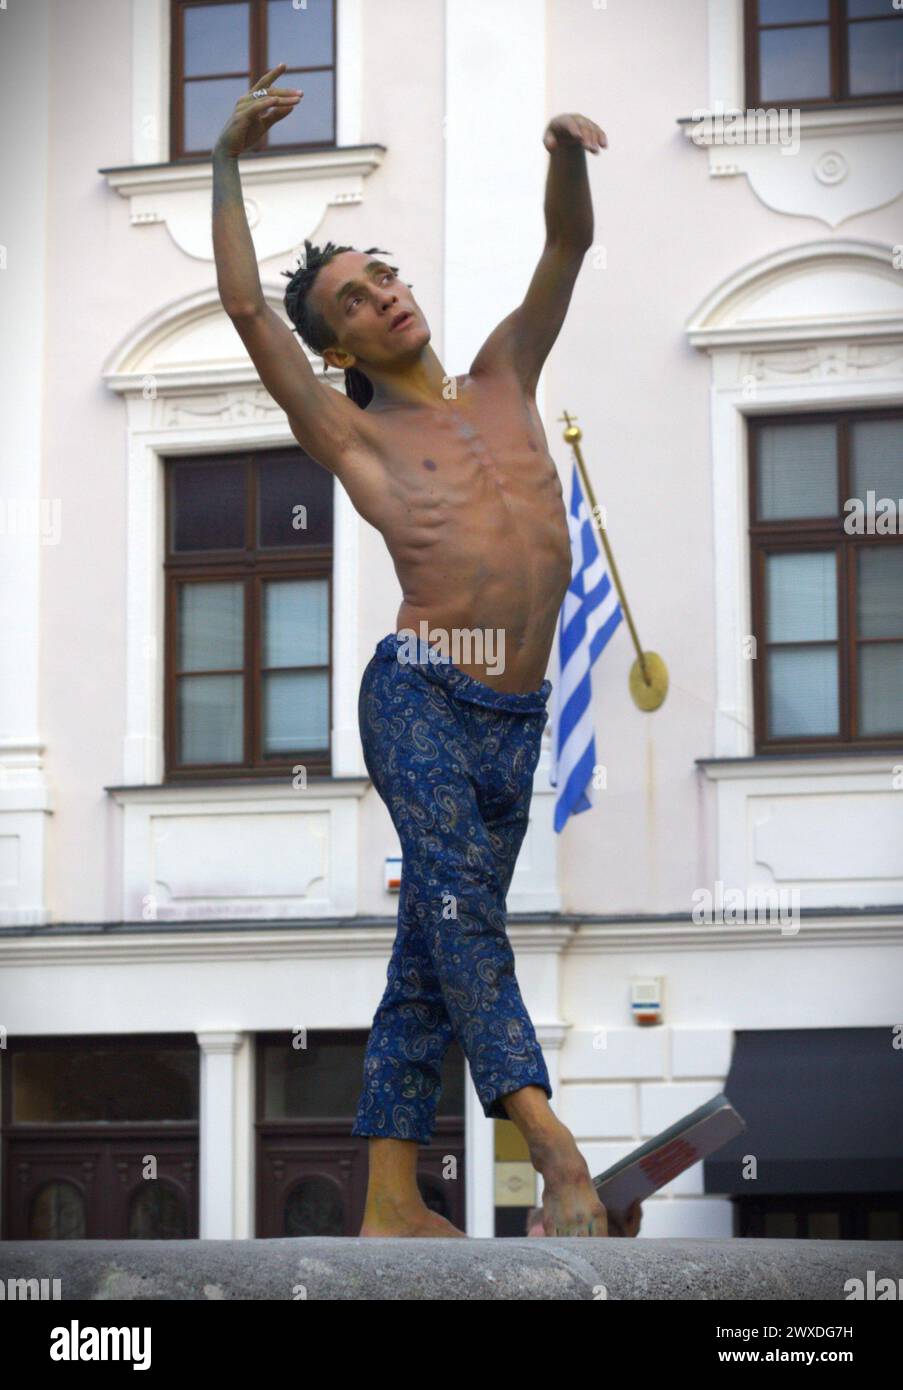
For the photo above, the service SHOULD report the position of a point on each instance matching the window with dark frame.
(77, 1119)
(804, 53)
(219, 47)
(826, 542)
(821, 1216)
(248, 566)
(311, 1174)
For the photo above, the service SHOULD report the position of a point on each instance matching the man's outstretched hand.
(253, 116)
(574, 130)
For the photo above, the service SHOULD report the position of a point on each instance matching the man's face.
(363, 299)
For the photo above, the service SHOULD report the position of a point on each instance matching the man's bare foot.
(570, 1206)
(386, 1219)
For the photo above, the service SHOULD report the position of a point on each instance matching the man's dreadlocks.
(310, 325)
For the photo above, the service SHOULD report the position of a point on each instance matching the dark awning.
(823, 1110)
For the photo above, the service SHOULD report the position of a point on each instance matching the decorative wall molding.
(745, 124)
(832, 829)
(223, 408)
(823, 362)
(238, 941)
(211, 854)
(283, 192)
(628, 938)
(808, 292)
(831, 165)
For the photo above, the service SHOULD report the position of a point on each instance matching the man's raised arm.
(524, 339)
(321, 418)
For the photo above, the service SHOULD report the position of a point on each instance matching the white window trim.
(195, 411)
(765, 368)
(282, 191)
(727, 79)
(150, 81)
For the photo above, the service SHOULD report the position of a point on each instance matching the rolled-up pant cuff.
(492, 1105)
(360, 1132)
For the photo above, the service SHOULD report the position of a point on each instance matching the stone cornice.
(809, 765)
(834, 120)
(132, 180)
(285, 194)
(220, 941)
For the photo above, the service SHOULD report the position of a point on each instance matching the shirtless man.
(456, 475)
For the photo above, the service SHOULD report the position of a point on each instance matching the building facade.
(196, 909)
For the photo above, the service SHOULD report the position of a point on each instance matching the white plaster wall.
(666, 234)
(670, 233)
(103, 277)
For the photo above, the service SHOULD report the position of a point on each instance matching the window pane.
(797, 471)
(876, 449)
(157, 1212)
(208, 105)
(801, 597)
(322, 1081)
(296, 622)
(57, 1213)
(286, 486)
(879, 591)
(802, 692)
(876, 56)
(780, 1225)
(210, 719)
(300, 38)
(316, 1082)
(314, 1207)
(216, 39)
(791, 11)
(824, 1225)
(295, 712)
(211, 629)
(881, 688)
(311, 120)
(208, 503)
(884, 1225)
(88, 1083)
(794, 64)
(857, 8)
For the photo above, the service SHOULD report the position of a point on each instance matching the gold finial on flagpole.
(648, 675)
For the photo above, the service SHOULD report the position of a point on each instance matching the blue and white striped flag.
(589, 615)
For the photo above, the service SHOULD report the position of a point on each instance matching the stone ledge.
(551, 1270)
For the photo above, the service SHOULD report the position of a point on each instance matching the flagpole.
(649, 675)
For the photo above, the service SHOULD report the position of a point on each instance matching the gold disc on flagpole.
(649, 694)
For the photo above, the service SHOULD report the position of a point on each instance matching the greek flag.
(589, 615)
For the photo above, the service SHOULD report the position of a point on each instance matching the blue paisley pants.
(453, 759)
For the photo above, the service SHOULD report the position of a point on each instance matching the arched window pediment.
(805, 293)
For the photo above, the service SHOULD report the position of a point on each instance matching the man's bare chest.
(478, 437)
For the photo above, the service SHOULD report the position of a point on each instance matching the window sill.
(286, 194)
(319, 784)
(827, 120)
(790, 764)
(847, 159)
